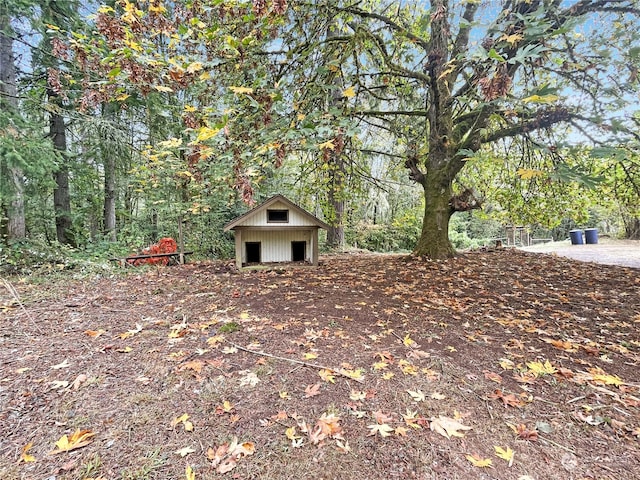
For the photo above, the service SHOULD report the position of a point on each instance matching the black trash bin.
(576, 237)
(591, 235)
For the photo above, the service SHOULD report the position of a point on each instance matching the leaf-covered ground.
(499, 364)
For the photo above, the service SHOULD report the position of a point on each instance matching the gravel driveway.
(611, 252)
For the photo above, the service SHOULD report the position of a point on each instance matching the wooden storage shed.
(275, 231)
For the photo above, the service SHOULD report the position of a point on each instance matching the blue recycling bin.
(591, 235)
(576, 237)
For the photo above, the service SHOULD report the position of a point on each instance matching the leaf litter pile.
(499, 364)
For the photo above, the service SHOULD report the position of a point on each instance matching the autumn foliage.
(165, 245)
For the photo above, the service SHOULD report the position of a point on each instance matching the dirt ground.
(497, 364)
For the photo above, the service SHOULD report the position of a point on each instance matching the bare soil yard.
(492, 365)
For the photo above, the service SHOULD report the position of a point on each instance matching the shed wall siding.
(260, 218)
(275, 246)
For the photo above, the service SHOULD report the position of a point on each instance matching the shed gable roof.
(242, 219)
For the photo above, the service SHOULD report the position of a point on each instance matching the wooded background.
(388, 121)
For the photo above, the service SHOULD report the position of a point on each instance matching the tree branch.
(394, 26)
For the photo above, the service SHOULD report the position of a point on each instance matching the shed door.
(298, 251)
(253, 252)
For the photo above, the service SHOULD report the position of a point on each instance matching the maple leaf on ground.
(381, 429)
(131, 333)
(78, 439)
(64, 364)
(94, 333)
(412, 420)
(357, 395)
(327, 375)
(380, 365)
(526, 377)
(353, 374)
(494, 377)
(26, 457)
(312, 390)
(291, 433)
(184, 419)
(330, 425)
(539, 369)
(381, 417)
(417, 396)
(226, 456)
(249, 378)
(599, 376)
(195, 365)
(504, 454)
(189, 473)
(227, 465)
(478, 461)
(448, 427)
(183, 452)
(523, 432)
(343, 447)
(509, 399)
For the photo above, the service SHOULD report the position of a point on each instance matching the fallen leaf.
(417, 396)
(438, 396)
(382, 417)
(94, 333)
(478, 461)
(291, 433)
(183, 452)
(249, 379)
(64, 364)
(189, 473)
(56, 384)
(26, 457)
(78, 439)
(343, 447)
(327, 375)
(181, 419)
(195, 365)
(448, 427)
(539, 369)
(357, 396)
(523, 432)
(505, 454)
(494, 377)
(381, 429)
(227, 465)
(80, 379)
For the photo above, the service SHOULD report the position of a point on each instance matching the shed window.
(277, 216)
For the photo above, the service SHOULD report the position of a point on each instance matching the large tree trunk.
(61, 197)
(13, 206)
(336, 171)
(335, 194)
(441, 166)
(434, 239)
